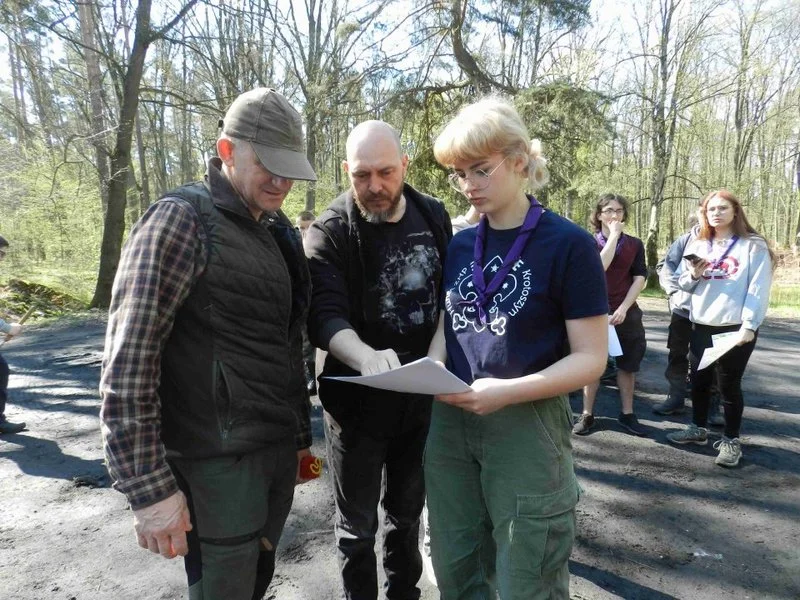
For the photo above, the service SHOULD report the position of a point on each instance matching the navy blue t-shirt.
(558, 277)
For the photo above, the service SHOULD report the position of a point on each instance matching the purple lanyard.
(715, 264)
(602, 240)
(484, 292)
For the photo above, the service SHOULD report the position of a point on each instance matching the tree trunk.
(141, 150)
(114, 224)
(311, 153)
(18, 87)
(95, 84)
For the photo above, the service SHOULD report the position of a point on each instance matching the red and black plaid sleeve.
(159, 262)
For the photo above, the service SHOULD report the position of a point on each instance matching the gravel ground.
(655, 521)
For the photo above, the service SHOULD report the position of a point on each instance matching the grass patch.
(75, 280)
(653, 293)
(785, 296)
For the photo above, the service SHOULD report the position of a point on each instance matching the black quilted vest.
(232, 370)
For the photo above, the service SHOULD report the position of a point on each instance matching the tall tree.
(114, 223)
(680, 30)
(95, 83)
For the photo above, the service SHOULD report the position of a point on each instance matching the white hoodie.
(737, 292)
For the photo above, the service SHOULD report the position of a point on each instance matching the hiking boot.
(583, 425)
(691, 435)
(9, 427)
(673, 405)
(631, 423)
(715, 417)
(730, 452)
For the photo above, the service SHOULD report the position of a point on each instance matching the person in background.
(728, 273)
(205, 414)
(376, 256)
(623, 259)
(10, 330)
(468, 219)
(518, 289)
(680, 331)
(303, 222)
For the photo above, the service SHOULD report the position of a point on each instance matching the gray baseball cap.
(274, 129)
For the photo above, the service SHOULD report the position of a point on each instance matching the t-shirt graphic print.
(501, 308)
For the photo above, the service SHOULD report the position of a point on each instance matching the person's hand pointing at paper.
(379, 361)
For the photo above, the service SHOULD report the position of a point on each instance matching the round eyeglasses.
(479, 178)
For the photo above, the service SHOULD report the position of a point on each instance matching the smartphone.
(693, 258)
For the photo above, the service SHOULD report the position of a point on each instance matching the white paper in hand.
(721, 343)
(614, 347)
(422, 376)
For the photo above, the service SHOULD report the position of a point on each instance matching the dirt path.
(655, 522)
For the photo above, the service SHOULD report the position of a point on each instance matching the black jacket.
(336, 260)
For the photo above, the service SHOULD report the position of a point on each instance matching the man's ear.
(346, 167)
(225, 151)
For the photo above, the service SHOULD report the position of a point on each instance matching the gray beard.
(381, 216)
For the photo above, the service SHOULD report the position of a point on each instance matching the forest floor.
(655, 522)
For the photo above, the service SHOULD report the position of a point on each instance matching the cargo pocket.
(542, 533)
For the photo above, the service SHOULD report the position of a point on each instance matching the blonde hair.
(488, 126)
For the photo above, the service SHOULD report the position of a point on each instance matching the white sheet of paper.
(614, 347)
(422, 376)
(721, 343)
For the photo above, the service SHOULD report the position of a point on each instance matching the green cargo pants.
(236, 503)
(501, 498)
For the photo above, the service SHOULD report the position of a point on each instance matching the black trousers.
(358, 463)
(730, 369)
(678, 338)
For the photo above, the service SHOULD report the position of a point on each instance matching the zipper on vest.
(223, 401)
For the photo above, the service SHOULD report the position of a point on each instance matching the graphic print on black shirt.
(401, 302)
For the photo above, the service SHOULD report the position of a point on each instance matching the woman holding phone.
(525, 322)
(729, 274)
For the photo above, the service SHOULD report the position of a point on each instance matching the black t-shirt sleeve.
(639, 267)
(326, 250)
(583, 281)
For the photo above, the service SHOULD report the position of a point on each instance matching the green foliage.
(785, 296)
(589, 95)
(50, 208)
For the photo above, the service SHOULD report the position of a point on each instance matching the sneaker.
(691, 435)
(631, 423)
(730, 452)
(9, 427)
(673, 405)
(583, 425)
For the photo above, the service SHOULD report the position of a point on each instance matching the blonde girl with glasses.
(519, 288)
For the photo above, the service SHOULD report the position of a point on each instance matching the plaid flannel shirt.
(160, 262)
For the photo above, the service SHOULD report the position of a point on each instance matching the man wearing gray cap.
(205, 411)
